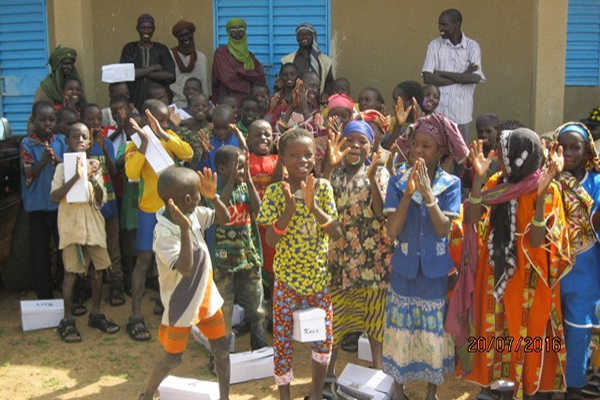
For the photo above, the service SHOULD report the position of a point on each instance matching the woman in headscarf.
(505, 312)
(235, 69)
(579, 184)
(62, 63)
(420, 206)
(309, 57)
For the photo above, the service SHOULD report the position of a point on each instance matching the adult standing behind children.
(152, 61)
(189, 62)
(453, 63)
(235, 68)
(62, 62)
(309, 57)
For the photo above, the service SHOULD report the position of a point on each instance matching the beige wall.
(579, 101)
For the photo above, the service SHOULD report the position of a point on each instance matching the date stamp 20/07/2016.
(507, 344)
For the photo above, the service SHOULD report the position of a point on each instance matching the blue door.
(583, 43)
(272, 27)
(23, 57)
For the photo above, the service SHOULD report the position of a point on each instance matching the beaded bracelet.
(278, 231)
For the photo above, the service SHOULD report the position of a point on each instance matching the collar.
(37, 139)
(441, 181)
(462, 44)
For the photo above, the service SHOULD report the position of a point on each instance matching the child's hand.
(139, 130)
(422, 181)
(208, 183)
(400, 112)
(417, 112)
(411, 186)
(79, 168)
(373, 167)
(240, 136)
(177, 216)
(554, 166)
(334, 149)
(308, 191)
(478, 160)
(155, 126)
(298, 94)
(334, 126)
(174, 117)
(289, 198)
(204, 141)
(48, 155)
(93, 167)
(471, 68)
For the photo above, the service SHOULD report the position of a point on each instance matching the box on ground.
(200, 338)
(238, 315)
(251, 365)
(41, 314)
(175, 388)
(309, 325)
(364, 349)
(361, 382)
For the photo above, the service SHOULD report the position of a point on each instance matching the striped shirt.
(456, 101)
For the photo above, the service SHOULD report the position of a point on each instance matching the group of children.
(283, 203)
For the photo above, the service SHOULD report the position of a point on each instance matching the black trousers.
(42, 227)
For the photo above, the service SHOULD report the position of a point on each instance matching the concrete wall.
(373, 43)
(579, 101)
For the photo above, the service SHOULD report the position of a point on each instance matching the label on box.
(309, 325)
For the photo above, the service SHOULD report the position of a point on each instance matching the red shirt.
(261, 170)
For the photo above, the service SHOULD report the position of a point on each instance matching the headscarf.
(340, 100)
(445, 133)
(523, 178)
(238, 48)
(577, 202)
(53, 84)
(315, 65)
(361, 127)
(181, 26)
(145, 18)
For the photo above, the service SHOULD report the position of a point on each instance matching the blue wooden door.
(272, 27)
(583, 43)
(23, 57)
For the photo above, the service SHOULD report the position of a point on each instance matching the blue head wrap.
(361, 127)
(577, 128)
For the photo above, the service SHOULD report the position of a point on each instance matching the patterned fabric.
(190, 137)
(285, 301)
(456, 101)
(236, 244)
(415, 347)
(300, 254)
(358, 310)
(109, 209)
(361, 257)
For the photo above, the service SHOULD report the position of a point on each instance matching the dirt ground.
(37, 365)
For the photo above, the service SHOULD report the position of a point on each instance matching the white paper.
(79, 192)
(175, 388)
(309, 325)
(112, 73)
(364, 349)
(367, 381)
(251, 365)
(41, 314)
(156, 155)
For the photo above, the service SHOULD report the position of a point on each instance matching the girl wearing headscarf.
(235, 68)
(62, 63)
(505, 311)
(420, 206)
(579, 184)
(359, 260)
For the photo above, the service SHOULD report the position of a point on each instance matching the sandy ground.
(37, 365)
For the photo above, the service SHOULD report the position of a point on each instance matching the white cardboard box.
(367, 382)
(200, 338)
(156, 155)
(79, 192)
(238, 315)
(309, 325)
(124, 72)
(364, 349)
(41, 314)
(251, 365)
(175, 388)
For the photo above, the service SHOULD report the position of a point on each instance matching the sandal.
(116, 297)
(79, 310)
(68, 331)
(136, 328)
(350, 342)
(100, 322)
(330, 387)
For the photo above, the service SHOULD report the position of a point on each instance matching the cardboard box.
(175, 388)
(364, 349)
(112, 73)
(309, 325)
(156, 155)
(79, 192)
(200, 338)
(251, 365)
(238, 315)
(364, 383)
(41, 314)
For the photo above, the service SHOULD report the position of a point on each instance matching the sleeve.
(166, 247)
(166, 61)
(392, 196)
(180, 148)
(449, 200)
(59, 177)
(475, 58)
(127, 56)
(27, 161)
(225, 72)
(272, 205)
(430, 58)
(206, 217)
(326, 198)
(134, 161)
